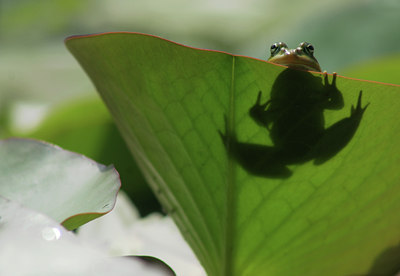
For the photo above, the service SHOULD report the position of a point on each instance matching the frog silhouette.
(294, 118)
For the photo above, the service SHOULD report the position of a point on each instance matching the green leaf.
(169, 102)
(68, 187)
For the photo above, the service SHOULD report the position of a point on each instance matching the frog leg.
(260, 160)
(337, 136)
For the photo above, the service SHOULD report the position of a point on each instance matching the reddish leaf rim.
(73, 37)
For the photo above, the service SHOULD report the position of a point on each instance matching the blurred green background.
(45, 94)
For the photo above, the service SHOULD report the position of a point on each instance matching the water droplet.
(51, 233)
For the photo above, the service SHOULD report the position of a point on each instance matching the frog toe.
(326, 79)
(358, 109)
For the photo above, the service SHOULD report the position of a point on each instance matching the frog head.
(301, 57)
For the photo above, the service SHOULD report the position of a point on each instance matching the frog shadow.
(294, 118)
(386, 263)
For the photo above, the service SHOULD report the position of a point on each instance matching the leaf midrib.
(230, 183)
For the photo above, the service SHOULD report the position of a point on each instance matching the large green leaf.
(67, 187)
(169, 102)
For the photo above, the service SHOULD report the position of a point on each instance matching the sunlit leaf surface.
(273, 207)
(66, 186)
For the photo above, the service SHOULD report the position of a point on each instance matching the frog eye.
(307, 47)
(276, 47)
(310, 48)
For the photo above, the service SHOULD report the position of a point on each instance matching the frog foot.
(258, 110)
(358, 111)
(258, 107)
(338, 135)
(326, 81)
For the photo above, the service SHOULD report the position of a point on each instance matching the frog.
(301, 58)
(294, 117)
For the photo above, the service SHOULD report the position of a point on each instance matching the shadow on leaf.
(387, 263)
(294, 118)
